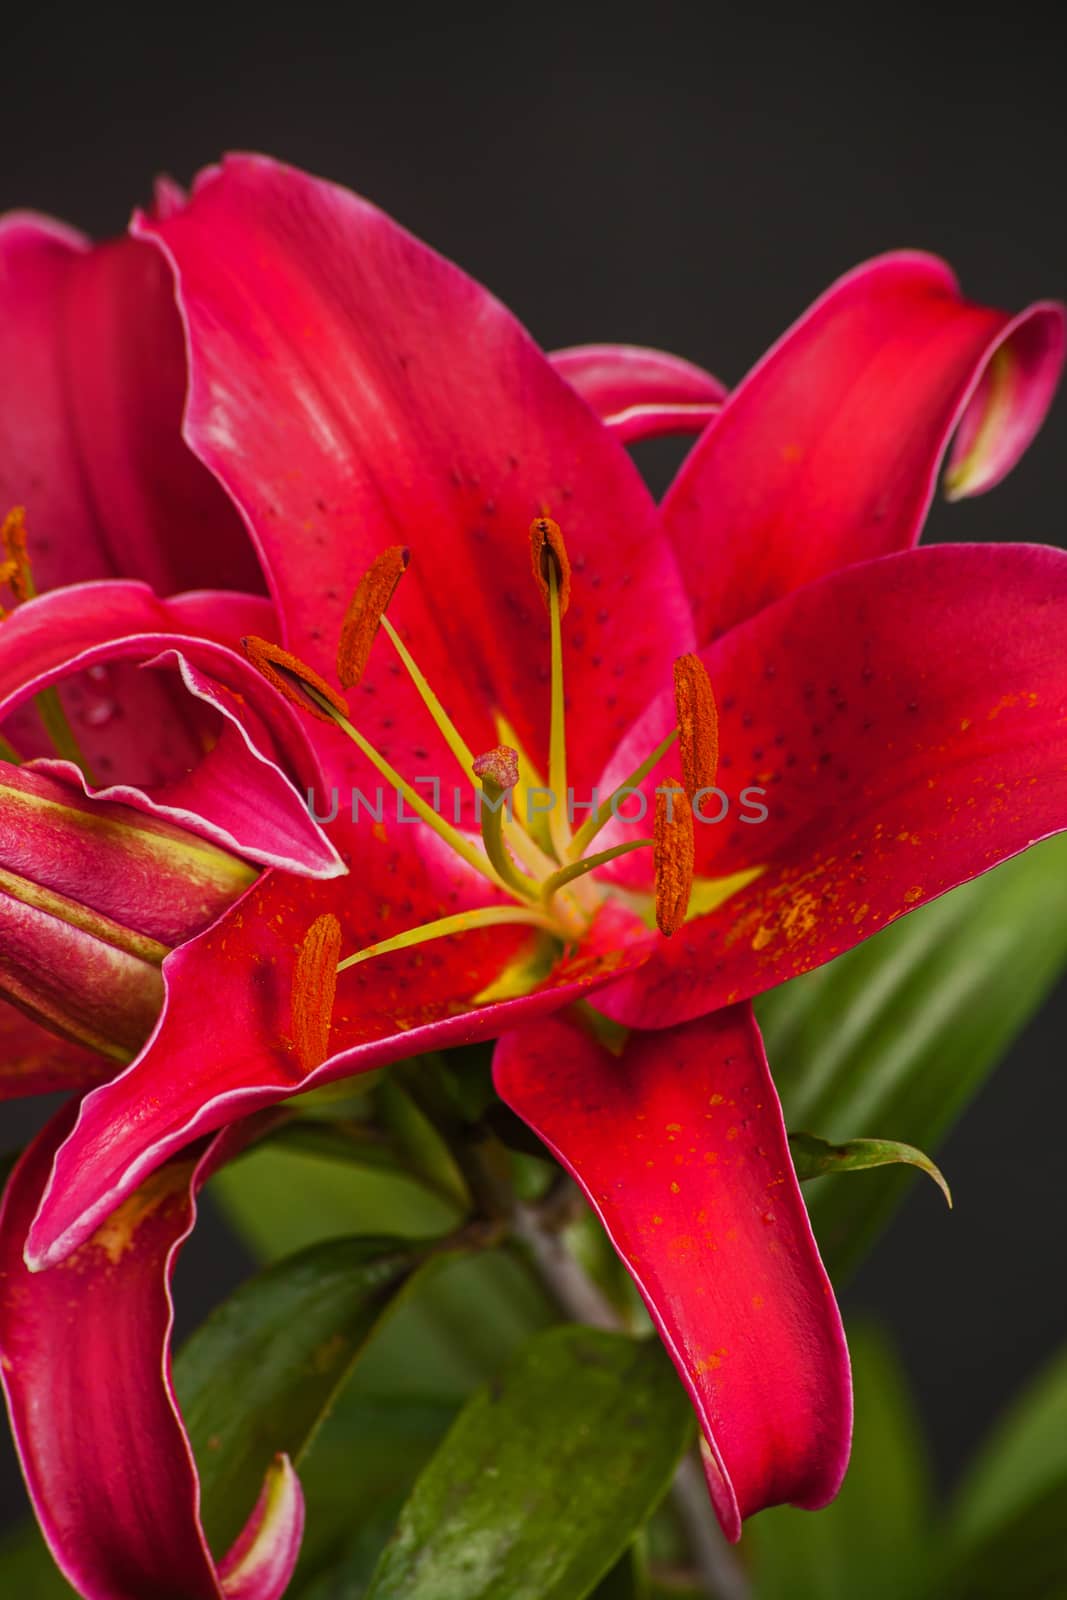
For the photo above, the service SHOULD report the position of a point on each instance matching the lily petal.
(91, 429)
(680, 1148)
(905, 724)
(640, 393)
(85, 1363)
(34, 1061)
(828, 452)
(413, 410)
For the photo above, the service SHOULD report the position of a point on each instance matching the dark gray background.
(689, 178)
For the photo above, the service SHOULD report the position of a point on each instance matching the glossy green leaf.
(545, 1477)
(815, 1158)
(871, 1543)
(280, 1199)
(1008, 1528)
(258, 1375)
(898, 1034)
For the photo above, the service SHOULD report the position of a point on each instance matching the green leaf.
(814, 1157)
(258, 1375)
(1007, 1528)
(545, 1477)
(449, 1331)
(455, 1326)
(871, 1542)
(901, 1032)
(280, 1199)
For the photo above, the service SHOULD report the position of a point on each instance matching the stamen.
(674, 855)
(548, 554)
(452, 736)
(524, 847)
(578, 869)
(366, 611)
(314, 987)
(462, 922)
(15, 570)
(498, 770)
(294, 679)
(433, 819)
(552, 571)
(698, 724)
(600, 818)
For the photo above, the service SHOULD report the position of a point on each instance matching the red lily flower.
(903, 714)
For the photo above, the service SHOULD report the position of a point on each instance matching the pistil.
(498, 772)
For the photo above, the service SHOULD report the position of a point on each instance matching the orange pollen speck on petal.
(289, 674)
(546, 545)
(314, 987)
(673, 853)
(364, 615)
(698, 724)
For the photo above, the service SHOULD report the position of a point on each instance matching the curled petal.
(124, 720)
(828, 452)
(84, 1358)
(227, 758)
(679, 1146)
(640, 393)
(1009, 402)
(263, 1557)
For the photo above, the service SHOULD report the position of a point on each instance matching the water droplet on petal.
(100, 713)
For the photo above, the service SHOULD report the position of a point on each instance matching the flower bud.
(93, 896)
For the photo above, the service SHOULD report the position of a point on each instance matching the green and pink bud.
(93, 896)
